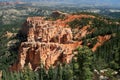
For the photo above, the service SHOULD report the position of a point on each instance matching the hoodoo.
(47, 42)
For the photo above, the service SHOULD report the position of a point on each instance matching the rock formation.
(0, 75)
(48, 43)
(100, 41)
(8, 34)
(51, 42)
(58, 14)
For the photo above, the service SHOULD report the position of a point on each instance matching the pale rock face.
(48, 43)
(8, 34)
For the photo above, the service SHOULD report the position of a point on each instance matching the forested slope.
(106, 55)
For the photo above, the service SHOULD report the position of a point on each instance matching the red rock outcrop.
(47, 42)
(101, 40)
(82, 32)
(51, 42)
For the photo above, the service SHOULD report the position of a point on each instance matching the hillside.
(54, 40)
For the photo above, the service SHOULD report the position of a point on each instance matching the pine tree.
(84, 60)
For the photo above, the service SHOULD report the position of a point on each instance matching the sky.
(85, 2)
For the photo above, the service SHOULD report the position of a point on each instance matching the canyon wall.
(48, 43)
(52, 42)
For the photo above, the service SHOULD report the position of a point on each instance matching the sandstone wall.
(48, 43)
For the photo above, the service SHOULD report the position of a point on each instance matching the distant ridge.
(113, 3)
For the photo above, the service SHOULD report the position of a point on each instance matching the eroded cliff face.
(48, 43)
(52, 42)
(100, 41)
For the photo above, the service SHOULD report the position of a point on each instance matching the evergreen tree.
(84, 61)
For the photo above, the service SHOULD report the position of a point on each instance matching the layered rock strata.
(48, 43)
(51, 42)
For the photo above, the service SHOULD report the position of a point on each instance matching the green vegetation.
(108, 55)
(103, 27)
(83, 64)
(79, 22)
(105, 57)
(80, 69)
(110, 52)
(8, 54)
